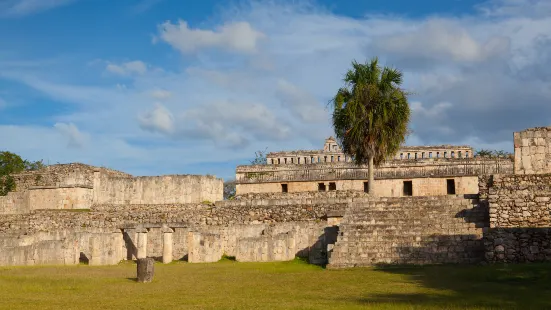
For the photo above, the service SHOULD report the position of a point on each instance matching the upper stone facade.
(533, 151)
(332, 152)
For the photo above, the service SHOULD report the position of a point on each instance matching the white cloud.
(301, 102)
(75, 137)
(127, 68)
(440, 39)
(160, 94)
(160, 119)
(515, 8)
(27, 7)
(238, 37)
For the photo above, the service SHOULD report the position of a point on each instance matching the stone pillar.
(95, 252)
(142, 243)
(167, 245)
(145, 269)
(118, 242)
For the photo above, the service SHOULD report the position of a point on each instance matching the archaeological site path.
(283, 285)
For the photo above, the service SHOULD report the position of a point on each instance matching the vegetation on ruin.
(493, 154)
(260, 158)
(11, 163)
(286, 285)
(371, 114)
(229, 189)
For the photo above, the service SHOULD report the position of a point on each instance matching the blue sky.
(196, 87)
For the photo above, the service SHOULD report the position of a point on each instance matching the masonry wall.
(14, 203)
(533, 151)
(520, 218)
(158, 189)
(66, 197)
(383, 188)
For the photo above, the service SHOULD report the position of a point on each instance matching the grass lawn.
(287, 285)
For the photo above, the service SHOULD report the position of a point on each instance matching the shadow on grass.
(526, 286)
(132, 279)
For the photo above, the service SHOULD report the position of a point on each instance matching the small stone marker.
(146, 269)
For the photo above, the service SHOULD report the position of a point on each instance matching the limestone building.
(413, 171)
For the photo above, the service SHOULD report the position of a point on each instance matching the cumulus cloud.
(439, 40)
(237, 37)
(233, 124)
(127, 68)
(27, 7)
(76, 139)
(300, 102)
(160, 120)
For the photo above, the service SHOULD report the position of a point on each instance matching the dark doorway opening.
(284, 188)
(321, 187)
(450, 184)
(332, 186)
(408, 188)
(366, 187)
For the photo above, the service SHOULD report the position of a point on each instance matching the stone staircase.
(411, 230)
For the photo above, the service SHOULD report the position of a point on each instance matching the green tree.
(485, 153)
(371, 114)
(11, 163)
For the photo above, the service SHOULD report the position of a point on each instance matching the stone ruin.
(77, 213)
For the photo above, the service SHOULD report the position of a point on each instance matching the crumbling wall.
(520, 218)
(533, 151)
(157, 190)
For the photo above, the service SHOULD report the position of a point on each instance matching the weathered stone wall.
(421, 230)
(14, 203)
(383, 188)
(62, 175)
(62, 197)
(520, 218)
(533, 151)
(157, 190)
(520, 201)
(32, 250)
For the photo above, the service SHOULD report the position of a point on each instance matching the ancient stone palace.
(413, 171)
(431, 205)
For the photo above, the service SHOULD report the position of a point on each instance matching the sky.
(155, 87)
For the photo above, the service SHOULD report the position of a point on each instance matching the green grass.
(288, 285)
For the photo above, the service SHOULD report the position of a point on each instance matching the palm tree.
(371, 114)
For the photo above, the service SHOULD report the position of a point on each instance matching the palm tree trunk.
(371, 180)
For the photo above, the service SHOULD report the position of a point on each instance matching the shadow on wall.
(131, 248)
(444, 287)
(317, 253)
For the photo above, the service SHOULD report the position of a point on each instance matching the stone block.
(145, 270)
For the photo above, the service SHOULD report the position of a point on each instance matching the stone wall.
(60, 197)
(157, 190)
(533, 151)
(520, 218)
(421, 230)
(14, 203)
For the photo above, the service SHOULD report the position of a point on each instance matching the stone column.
(167, 244)
(142, 243)
(95, 252)
(118, 242)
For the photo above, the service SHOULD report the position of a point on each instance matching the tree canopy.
(371, 114)
(11, 163)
